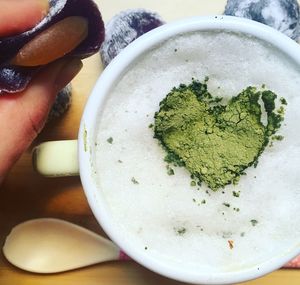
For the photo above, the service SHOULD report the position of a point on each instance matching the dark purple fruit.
(14, 79)
(124, 28)
(283, 15)
(59, 10)
(62, 103)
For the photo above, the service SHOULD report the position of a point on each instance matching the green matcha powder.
(215, 141)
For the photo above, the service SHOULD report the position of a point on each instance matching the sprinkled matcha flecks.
(170, 170)
(199, 203)
(85, 139)
(215, 142)
(277, 138)
(201, 228)
(180, 230)
(110, 140)
(134, 181)
(283, 101)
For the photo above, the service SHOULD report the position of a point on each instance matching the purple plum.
(124, 28)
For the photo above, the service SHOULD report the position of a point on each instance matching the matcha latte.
(155, 205)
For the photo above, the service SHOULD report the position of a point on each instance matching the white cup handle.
(56, 158)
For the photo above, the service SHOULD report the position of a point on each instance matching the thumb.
(23, 115)
(39, 96)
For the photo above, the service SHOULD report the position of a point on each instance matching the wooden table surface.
(25, 195)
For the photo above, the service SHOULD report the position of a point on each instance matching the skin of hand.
(18, 16)
(23, 115)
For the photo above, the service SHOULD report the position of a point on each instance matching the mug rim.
(105, 84)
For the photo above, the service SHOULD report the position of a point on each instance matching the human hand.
(23, 115)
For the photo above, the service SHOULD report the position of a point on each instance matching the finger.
(17, 16)
(22, 116)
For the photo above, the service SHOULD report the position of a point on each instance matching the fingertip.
(44, 4)
(58, 74)
(67, 73)
(17, 16)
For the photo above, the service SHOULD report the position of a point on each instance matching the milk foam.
(151, 212)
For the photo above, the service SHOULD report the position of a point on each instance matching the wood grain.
(25, 195)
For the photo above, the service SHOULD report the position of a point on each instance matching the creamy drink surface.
(187, 226)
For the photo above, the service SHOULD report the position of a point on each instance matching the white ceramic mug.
(73, 157)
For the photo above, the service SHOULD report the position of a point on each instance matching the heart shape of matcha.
(216, 142)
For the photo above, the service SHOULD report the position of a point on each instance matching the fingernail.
(67, 72)
(44, 4)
